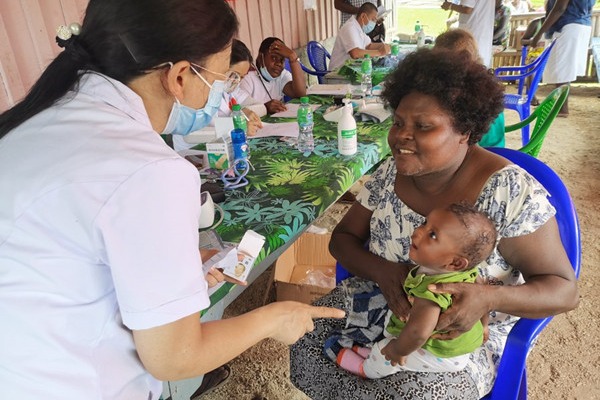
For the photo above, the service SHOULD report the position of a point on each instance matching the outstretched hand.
(296, 319)
(468, 306)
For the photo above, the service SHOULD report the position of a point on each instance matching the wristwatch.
(294, 60)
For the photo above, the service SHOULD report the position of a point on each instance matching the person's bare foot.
(563, 114)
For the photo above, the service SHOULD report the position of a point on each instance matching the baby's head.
(458, 40)
(455, 238)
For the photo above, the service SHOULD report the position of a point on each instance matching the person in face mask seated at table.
(352, 40)
(271, 81)
(239, 65)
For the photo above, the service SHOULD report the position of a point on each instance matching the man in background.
(352, 40)
(349, 8)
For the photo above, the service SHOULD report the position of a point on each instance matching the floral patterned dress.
(517, 204)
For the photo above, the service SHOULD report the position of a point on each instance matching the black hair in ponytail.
(123, 39)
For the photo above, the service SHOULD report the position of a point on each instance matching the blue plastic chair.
(318, 57)
(309, 71)
(521, 102)
(511, 381)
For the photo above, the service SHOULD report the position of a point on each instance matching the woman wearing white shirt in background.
(240, 62)
(352, 40)
(102, 282)
(271, 81)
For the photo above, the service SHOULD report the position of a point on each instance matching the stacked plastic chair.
(521, 102)
(543, 116)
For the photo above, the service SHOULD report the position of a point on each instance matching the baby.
(447, 248)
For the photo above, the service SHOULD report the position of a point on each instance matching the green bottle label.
(348, 134)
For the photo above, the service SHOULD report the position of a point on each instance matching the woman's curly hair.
(466, 89)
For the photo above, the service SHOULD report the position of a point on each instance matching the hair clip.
(65, 33)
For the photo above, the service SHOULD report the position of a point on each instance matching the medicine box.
(220, 153)
(306, 270)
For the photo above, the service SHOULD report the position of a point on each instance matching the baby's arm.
(423, 318)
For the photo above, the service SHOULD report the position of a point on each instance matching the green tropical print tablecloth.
(287, 190)
(353, 72)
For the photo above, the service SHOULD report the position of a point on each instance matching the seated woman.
(271, 81)
(353, 41)
(443, 102)
(462, 40)
(239, 63)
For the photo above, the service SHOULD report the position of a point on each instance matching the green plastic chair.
(543, 115)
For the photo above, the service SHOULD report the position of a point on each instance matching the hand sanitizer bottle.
(347, 141)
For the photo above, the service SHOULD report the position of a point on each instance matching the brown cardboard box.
(309, 253)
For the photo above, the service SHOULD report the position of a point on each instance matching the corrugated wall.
(287, 20)
(27, 32)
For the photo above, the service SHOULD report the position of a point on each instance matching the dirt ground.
(565, 364)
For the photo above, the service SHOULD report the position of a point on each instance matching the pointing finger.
(326, 312)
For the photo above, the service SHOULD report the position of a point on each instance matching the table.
(286, 193)
(351, 70)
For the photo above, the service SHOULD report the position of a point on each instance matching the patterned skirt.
(321, 379)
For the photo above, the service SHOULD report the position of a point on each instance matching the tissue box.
(299, 268)
(220, 153)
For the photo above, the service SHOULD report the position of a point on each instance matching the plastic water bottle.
(366, 69)
(239, 118)
(419, 34)
(346, 129)
(306, 141)
(395, 53)
(239, 144)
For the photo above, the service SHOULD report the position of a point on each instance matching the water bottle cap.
(304, 100)
(236, 107)
(367, 56)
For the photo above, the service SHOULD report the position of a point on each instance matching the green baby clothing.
(416, 285)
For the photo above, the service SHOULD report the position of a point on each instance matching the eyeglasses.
(235, 176)
(232, 78)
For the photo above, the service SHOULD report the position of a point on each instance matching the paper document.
(292, 110)
(335, 90)
(289, 129)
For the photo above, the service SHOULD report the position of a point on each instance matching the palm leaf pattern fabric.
(287, 191)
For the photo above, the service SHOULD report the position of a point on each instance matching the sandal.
(212, 380)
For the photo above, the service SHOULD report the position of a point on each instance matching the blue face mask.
(264, 72)
(368, 28)
(184, 119)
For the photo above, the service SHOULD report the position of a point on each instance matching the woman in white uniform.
(102, 287)
(352, 40)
